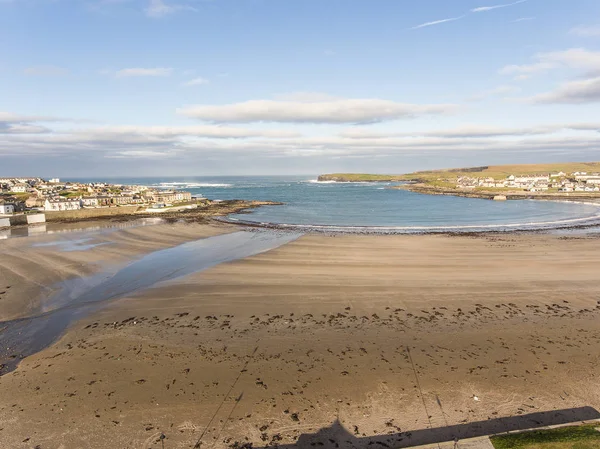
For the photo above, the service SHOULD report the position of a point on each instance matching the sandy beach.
(388, 335)
(31, 268)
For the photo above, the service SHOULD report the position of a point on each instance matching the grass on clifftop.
(502, 171)
(577, 437)
(491, 171)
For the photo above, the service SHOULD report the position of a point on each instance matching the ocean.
(310, 204)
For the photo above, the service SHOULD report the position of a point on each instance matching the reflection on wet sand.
(67, 228)
(23, 337)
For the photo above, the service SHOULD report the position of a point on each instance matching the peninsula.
(572, 180)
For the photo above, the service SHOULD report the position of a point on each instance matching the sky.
(265, 87)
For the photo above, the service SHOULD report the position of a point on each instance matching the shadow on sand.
(337, 436)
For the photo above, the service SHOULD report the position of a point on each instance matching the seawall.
(18, 220)
(36, 218)
(86, 214)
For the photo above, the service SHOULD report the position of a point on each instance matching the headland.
(577, 181)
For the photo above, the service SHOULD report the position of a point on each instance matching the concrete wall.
(36, 218)
(18, 220)
(89, 213)
(4, 222)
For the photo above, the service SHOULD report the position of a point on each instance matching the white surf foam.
(592, 219)
(316, 181)
(190, 185)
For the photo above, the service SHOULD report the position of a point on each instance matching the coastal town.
(53, 195)
(28, 204)
(557, 182)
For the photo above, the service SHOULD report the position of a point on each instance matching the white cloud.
(196, 82)
(586, 31)
(23, 124)
(141, 154)
(523, 19)
(474, 10)
(160, 71)
(184, 142)
(22, 128)
(317, 146)
(172, 132)
(472, 131)
(490, 8)
(527, 69)
(341, 146)
(158, 8)
(436, 22)
(46, 70)
(578, 58)
(574, 92)
(338, 111)
(10, 117)
(574, 58)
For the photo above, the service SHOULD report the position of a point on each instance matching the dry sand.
(388, 334)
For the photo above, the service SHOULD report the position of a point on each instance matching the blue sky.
(205, 87)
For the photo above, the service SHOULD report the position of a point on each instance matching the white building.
(531, 179)
(57, 204)
(90, 201)
(19, 188)
(7, 209)
(54, 180)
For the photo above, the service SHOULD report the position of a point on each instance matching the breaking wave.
(190, 185)
(357, 183)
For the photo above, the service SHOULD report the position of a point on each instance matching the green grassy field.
(492, 171)
(502, 171)
(577, 437)
(73, 193)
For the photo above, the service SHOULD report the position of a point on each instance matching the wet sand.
(386, 334)
(31, 268)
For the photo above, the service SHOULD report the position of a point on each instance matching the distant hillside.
(502, 171)
(492, 171)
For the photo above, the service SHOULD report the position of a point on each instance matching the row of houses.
(162, 198)
(20, 194)
(576, 182)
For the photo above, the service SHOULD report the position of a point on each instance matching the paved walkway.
(473, 443)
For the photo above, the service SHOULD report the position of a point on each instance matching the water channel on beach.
(78, 297)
